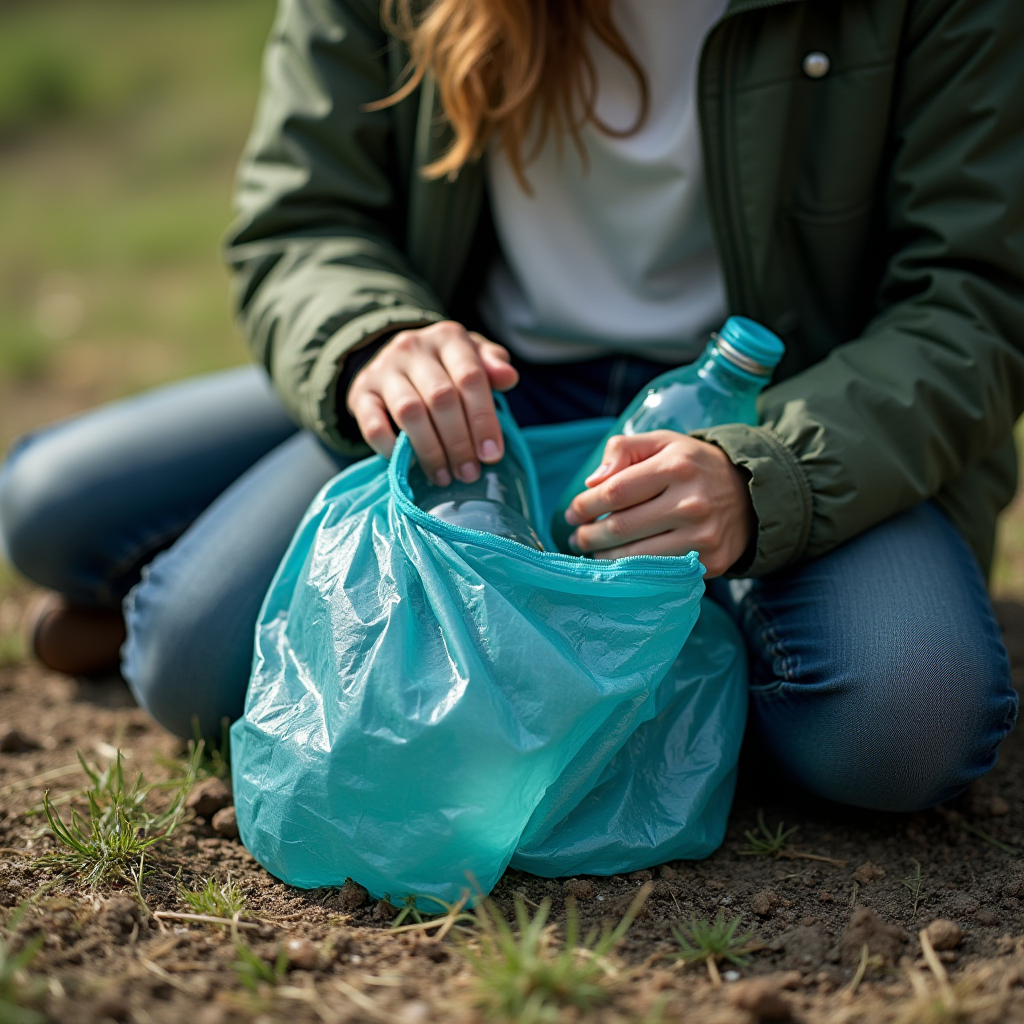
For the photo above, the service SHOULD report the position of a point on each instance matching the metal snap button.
(817, 64)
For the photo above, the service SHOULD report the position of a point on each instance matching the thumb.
(622, 451)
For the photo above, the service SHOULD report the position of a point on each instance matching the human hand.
(664, 493)
(436, 384)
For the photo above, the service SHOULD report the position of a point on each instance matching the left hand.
(664, 493)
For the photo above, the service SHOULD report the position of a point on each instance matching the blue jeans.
(878, 674)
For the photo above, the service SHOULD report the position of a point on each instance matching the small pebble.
(208, 797)
(352, 896)
(302, 954)
(643, 875)
(944, 934)
(414, 1012)
(763, 998)
(119, 915)
(580, 888)
(225, 823)
(868, 873)
(730, 975)
(14, 741)
(383, 911)
(988, 918)
(667, 871)
(997, 807)
(764, 903)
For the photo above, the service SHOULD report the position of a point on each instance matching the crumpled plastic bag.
(429, 703)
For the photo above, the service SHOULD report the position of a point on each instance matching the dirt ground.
(106, 956)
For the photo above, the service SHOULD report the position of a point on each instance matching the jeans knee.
(907, 736)
(182, 658)
(30, 503)
(47, 529)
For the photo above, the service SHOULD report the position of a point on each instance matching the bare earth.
(107, 957)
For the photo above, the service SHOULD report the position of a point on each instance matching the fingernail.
(469, 472)
(443, 478)
(571, 518)
(572, 540)
(488, 450)
(600, 471)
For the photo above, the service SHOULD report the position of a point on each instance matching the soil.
(108, 958)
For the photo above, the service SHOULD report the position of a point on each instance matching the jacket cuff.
(320, 403)
(782, 497)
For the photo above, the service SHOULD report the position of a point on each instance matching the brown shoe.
(72, 639)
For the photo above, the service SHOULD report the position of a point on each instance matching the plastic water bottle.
(495, 503)
(719, 387)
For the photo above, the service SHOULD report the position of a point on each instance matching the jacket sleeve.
(318, 268)
(936, 381)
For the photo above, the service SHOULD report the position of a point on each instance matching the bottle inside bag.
(495, 503)
(721, 386)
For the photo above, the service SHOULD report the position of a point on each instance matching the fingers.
(435, 382)
(620, 490)
(670, 543)
(466, 371)
(634, 523)
(622, 451)
(409, 411)
(445, 404)
(372, 418)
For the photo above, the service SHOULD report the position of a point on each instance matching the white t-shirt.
(615, 255)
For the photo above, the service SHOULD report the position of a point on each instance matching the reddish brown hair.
(501, 64)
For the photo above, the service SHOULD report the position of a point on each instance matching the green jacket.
(873, 217)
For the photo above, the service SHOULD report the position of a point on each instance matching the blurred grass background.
(120, 125)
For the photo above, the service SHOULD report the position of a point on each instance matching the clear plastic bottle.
(721, 386)
(495, 503)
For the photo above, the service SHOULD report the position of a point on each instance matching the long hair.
(501, 65)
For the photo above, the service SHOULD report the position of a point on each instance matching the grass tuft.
(940, 1002)
(710, 942)
(20, 992)
(767, 843)
(254, 972)
(111, 841)
(214, 758)
(215, 900)
(913, 883)
(529, 977)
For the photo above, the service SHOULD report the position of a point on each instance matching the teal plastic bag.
(429, 703)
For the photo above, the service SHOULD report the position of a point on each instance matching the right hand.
(435, 382)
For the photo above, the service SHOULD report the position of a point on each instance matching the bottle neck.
(718, 368)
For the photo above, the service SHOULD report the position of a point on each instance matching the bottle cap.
(750, 346)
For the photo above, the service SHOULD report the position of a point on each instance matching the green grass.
(254, 972)
(215, 900)
(710, 942)
(913, 884)
(20, 992)
(764, 842)
(120, 123)
(110, 841)
(529, 976)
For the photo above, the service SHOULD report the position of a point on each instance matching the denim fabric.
(879, 675)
